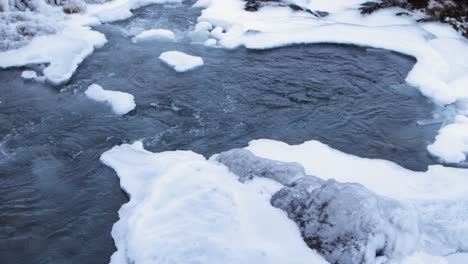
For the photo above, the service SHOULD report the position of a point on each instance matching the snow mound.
(180, 61)
(185, 209)
(120, 102)
(154, 34)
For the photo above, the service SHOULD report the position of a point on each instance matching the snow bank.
(185, 209)
(180, 61)
(154, 34)
(120, 102)
(441, 71)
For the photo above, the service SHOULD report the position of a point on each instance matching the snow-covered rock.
(120, 102)
(154, 34)
(181, 62)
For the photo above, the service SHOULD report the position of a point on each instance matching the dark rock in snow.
(347, 223)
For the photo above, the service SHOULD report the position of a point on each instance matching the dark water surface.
(58, 202)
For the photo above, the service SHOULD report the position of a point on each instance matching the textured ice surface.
(185, 209)
(180, 61)
(120, 102)
(154, 34)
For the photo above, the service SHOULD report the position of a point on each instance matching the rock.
(246, 165)
(347, 223)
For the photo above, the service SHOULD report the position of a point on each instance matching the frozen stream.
(58, 202)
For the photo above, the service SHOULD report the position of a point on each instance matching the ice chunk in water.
(180, 61)
(120, 102)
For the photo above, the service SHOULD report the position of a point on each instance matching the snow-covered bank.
(120, 102)
(176, 196)
(184, 209)
(441, 71)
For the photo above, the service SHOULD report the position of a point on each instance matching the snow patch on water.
(154, 34)
(181, 62)
(28, 75)
(120, 102)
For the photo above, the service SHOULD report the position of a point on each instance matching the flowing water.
(58, 202)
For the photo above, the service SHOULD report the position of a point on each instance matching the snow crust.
(120, 102)
(154, 34)
(441, 71)
(181, 62)
(185, 209)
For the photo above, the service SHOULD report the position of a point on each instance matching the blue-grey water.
(58, 202)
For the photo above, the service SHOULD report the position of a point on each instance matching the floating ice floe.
(222, 208)
(180, 61)
(154, 34)
(28, 75)
(441, 71)
(120, 102)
